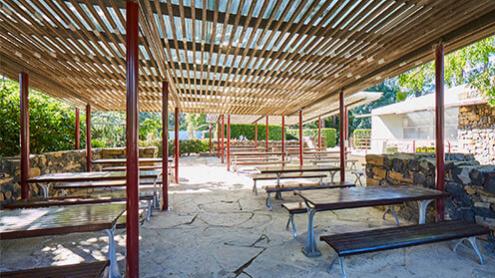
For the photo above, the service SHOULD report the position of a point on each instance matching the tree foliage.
(473, 65)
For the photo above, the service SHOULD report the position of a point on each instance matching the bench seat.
(399, 237)
(124, 168)
(306, 186)
(257, 177)
(80, 270)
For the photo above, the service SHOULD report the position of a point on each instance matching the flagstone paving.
(217, 228)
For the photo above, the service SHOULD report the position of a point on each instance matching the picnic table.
(279, 170)
(60, 220)
(259, 153)
(45, 180)
(124, 160)
(356, 197)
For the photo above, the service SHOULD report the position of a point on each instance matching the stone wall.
(471, 185)
(54, 162)
(476, 133)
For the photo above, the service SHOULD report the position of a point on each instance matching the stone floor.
(217, 228)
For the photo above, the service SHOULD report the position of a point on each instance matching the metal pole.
(210, 134)
(342, 137)
(77, 131)
(346, 129)
(24, 124)
(319, 132)
(89, 154)
(439, 127)
(414, 146)
(222, 145)
(165, 145)
(132, 130)
(301, 162)
(283, 137)
(218, 137)
(267, 134)
(228, 142)
(256, 134)
(177, 145)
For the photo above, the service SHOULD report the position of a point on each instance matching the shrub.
(425, 149)
(329, 135)
(186, 147)
(247, 130)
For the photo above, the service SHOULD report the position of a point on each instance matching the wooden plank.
(89, 176)
(80, 270)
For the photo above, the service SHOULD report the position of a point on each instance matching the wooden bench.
(301, 186)
(353, 243)
(124, 168)
(309, 175)
(258, 163)
(80, 270)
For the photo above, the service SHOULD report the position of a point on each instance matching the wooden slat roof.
(239, 57)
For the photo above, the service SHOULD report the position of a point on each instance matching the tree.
(195, 122)
(473, 65)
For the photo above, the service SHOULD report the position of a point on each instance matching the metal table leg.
(474, 245)
(268, 201)
(278, 194)
(310, 249)
(113, 271)
(392, 211)
(45, 188)
(255, 190)
(291, 226)
(423, 205)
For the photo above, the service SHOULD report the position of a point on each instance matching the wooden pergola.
(264, 57)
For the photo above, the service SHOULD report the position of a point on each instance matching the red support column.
(165, 145)
(319, 132)
(132, 130)
(342, 137)
(210, 134)
(77, 135)
(301, 147)
(256, 134)
(439, 128)
(177, 145)
(346, 130)
(89, 154)
(228, 142)
(24, 122)
(222, 144)
(267, 135)
(283, 137)
(218, 137)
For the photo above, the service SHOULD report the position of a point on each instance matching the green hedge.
(186, 147)
(329, 135)
(51, 122)
(247, 130)
(362, 133)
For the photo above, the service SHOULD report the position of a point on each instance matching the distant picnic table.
(119, 161)
(89, 176)
(279, 170)
(61, 220)
(356, 197)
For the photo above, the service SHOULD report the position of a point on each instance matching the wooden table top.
(259, 153)
(89, 176)
(22, 223)
(124, 160)
(297, 168)
(333, 199)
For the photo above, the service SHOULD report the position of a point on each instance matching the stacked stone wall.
(476, 132)
(53, 162)
(471, 185)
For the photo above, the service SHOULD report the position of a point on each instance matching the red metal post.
(177, 145)
(132, 130)
(210, 134)
(319, 132)
(24, 124)
(301, 162)
(228, 142)
(78, 131)
(222, 144)
(89, 154)
(267, 135)
(165, 145)
(283, 137)
(439, 127)
(342, 136)
(414, 146)
(256, 134)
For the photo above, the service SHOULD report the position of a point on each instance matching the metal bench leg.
(291, 225)
(310, 249)
(392, 211)
(278, 195)
(423, 205)
(332, 174)
(113, 271)
(268, 201)
(149, 211)
(472, 240)
(342, 267)
(45, 190)
(255, 190)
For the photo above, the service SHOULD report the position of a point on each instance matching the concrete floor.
(217, 228)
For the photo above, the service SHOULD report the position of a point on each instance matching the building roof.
(454, 97)
(237, 57)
